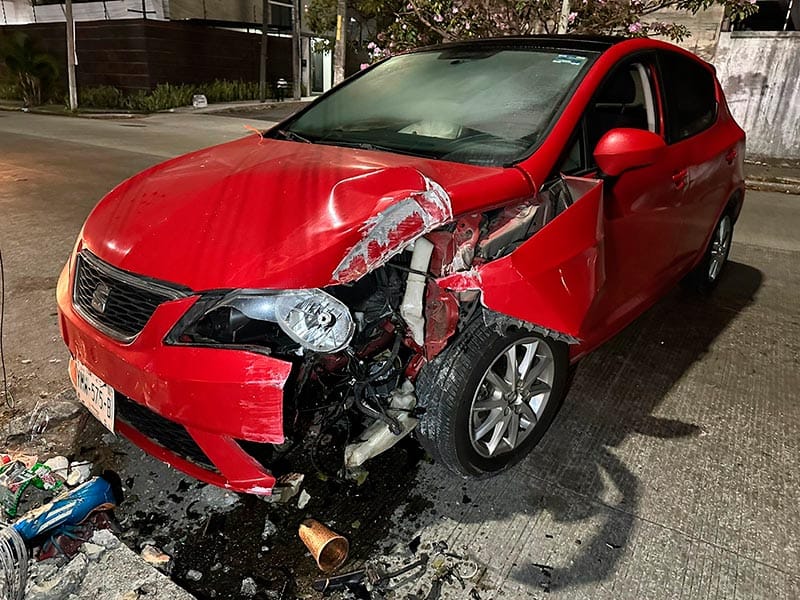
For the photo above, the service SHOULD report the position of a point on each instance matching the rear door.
(689, 94)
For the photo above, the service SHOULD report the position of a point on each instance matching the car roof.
(592, 43)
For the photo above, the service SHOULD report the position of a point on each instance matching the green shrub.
(101, 96)
(10, 91)
(34, 72)
(167, 95)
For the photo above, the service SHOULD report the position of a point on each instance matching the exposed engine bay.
(358, 347)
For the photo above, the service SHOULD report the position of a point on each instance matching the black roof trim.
(591, 43)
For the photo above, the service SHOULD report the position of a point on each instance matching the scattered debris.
(613, 546)
(92, 551)
(304, 499)
(286, 487)
(156, 557)
(105, 538)
(269, 529)
(329, 549)
(218, 498)
(58, 464)
(78, 473)
(26, 361)
(372, 574)
(249, 587)
(193, 575)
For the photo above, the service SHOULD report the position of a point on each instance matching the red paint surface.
(282, 214)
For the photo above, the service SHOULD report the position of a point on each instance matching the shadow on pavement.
(575, 474)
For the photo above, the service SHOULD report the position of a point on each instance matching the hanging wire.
(6, 392)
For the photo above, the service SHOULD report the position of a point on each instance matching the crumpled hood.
(278, 215)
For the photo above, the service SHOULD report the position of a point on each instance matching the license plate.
(95, 395)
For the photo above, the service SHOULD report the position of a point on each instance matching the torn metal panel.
(391, 231)
(552, 279)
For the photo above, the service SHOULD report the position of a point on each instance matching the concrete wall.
(15, 12)
(703, 26)
(760, 73)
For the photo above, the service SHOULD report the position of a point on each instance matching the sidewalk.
(773, 176)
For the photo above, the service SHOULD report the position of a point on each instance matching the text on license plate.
(96, 395)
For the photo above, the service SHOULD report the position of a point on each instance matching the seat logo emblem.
(100, 297)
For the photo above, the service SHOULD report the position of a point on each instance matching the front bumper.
(218, 396)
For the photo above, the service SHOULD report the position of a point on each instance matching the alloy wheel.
(511, 397)
(720, 246)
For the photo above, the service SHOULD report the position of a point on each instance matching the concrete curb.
(777, 185)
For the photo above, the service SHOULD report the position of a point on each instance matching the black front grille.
(115, 301)
(164, 432)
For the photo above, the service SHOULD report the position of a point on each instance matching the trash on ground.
(286, 487)
(78, 473)
(68, 540)
(269, 529)
(193, 575)
(328, 548)
(249, 587)
(304, 499)
(156, 557)
(372, 573)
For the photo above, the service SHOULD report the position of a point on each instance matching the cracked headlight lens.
(312, 318)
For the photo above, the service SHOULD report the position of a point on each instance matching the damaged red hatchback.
(428, 247)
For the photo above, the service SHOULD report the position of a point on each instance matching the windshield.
(486, 107)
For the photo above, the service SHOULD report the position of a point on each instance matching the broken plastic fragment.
(155, 557)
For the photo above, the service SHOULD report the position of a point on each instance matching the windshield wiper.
(291, 135)
(371, 146)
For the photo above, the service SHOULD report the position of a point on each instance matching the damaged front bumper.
(189, 406)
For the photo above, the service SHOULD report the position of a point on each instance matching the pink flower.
(635, 27)
(363, 66)
(371, 45)
(571, 18)
(438, 18)
(466, 26)
(455, 10)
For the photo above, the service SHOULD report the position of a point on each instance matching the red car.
(427, 247)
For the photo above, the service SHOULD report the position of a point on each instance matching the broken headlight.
(312, 318)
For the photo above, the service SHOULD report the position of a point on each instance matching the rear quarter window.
(689, 95)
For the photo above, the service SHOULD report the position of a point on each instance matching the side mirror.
(623, 149)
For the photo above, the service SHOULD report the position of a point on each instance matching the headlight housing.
(312, 318)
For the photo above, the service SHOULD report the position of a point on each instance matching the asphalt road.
(671, 471)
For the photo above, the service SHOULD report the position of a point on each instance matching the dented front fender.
(552, 279)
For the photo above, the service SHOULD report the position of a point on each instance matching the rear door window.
(689, 95)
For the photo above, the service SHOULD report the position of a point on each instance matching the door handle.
(731, 156)
(679, 178)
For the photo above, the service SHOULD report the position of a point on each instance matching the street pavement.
(670, 472)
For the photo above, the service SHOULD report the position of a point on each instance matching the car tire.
(705, 276)
(468, 396)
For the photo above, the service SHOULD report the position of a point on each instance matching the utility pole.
(563, 19)
(71, 56)
(296, 49)
(266, 18)
(340, 44)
